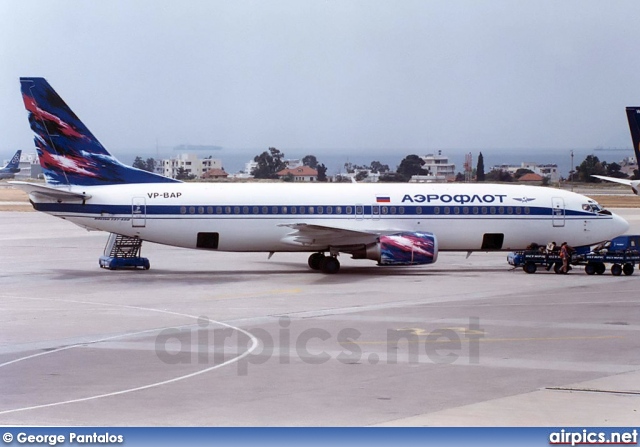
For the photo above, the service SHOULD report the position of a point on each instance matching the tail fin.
(13, 165)
(633, 116)
(69, 153)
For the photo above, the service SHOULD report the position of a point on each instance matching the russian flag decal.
(383, 199)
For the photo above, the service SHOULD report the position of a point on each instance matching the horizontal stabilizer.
(48, 191)
(632, 183)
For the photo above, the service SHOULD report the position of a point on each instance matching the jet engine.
(401, 249)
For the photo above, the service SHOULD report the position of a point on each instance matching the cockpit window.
(592, 207)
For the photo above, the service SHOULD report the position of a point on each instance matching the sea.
(234, 160)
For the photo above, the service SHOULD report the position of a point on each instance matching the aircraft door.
(138, 212)
(557, 210)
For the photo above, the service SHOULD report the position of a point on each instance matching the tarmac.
(230, 339)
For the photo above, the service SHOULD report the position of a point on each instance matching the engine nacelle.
(402, 249)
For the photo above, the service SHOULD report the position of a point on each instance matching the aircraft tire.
(530, 267)
(627, 269)
(600, 268)
(616, 269)
(330, 265)
(315, 261)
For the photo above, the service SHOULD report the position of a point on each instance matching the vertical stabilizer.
(69, 153)
(633, 115)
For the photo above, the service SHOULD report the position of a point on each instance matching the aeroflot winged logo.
(523, 199)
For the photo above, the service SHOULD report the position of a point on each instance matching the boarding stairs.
(123, 252)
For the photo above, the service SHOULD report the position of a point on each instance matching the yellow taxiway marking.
(487, 340)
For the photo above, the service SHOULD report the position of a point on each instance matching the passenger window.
(245, 210)
(183, 210)
(349, 210)
(236, 210)
(201, 210)
(329, 210)
(338, 210)
(475, 210)
(209, 210)
(227, 210)
(418, 210)
(465, 210)
(401, 210)
(302, 210)
(218, 210)
(320, 209)
(284, 210)
(436, 210)
(484, 210)
(293, 210)
(192, 210)
(456, 210)
(256, 210)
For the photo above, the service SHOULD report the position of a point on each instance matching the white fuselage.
(252, 216)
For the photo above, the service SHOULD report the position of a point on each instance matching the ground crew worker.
(565, 256)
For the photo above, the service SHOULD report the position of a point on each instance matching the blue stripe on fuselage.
(317, 210)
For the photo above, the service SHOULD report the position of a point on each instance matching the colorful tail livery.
(10, 170)
(69, 153)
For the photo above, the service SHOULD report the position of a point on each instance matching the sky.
(328, 76)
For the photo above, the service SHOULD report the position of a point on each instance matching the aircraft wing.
(49, 192)
(632, 183)
(312, 234)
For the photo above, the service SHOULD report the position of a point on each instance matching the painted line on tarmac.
(254, 345)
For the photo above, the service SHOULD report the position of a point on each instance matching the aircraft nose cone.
(620, 224)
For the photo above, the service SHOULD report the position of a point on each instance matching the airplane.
(633, 117)
(394, 224)
(11, 169)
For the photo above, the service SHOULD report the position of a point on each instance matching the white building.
(190, 163)
(440, 170)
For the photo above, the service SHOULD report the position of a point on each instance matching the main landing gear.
(326, 264)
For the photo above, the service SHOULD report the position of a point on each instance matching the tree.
(498, 175)
(342, 179)
(480, 168)
(590, 166)
(311, 161)
(269, 164)
(182, 174)
(613, 170)
(409, 166)
(139, 163)
(149, 165)
(361, 175)
(378, 168)
(322, 172)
